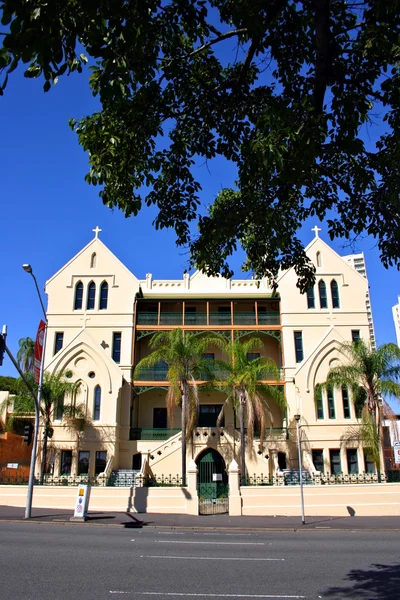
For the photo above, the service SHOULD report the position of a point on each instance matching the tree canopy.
(284, 89)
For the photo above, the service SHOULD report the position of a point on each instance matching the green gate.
(212, 483)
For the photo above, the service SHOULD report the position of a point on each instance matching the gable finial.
(316, 229)
(97, 231)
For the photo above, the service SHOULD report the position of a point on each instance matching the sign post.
(396, 449)
(82, 503)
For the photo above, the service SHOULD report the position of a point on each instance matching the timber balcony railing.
(214, 319)
(141, 433)
(160, 374)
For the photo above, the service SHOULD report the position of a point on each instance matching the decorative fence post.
(235, 500)
(192, 500)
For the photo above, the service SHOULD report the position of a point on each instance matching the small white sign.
(217, 476)
(12, 465)
(82, 502)
(396, 449)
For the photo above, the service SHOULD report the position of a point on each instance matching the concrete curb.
(193, 528)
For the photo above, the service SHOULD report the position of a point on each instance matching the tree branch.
(223, 36)
(323, 60)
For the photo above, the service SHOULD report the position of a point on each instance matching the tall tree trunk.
(183, 426)
(380, 435)
(242, 438)
(44, 455)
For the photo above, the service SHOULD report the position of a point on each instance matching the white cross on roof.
(316, 230)
(97, 231)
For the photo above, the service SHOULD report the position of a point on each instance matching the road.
(69, 562)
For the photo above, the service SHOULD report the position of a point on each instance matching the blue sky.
(48, 211)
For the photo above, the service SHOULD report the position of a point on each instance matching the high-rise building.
(396, 319)
(357, 261)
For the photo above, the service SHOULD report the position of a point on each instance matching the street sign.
(82, 503)
(396, 448)
(37, 358)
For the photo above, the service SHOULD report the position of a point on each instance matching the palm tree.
(245, 390)
(369, 374)
(55, 387)
(25, 354)
(183, 354)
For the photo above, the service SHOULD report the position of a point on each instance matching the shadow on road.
(134, 523)
(381, 582)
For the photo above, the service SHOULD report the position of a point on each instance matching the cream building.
(396, 320)
(101, 318)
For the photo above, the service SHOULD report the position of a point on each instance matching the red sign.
(37, 357)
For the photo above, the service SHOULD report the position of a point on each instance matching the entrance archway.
(212, 482)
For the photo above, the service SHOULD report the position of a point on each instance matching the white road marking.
(170, 533)
(208, 595)
(206, 558)
(213, 543)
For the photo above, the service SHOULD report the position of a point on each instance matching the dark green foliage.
(8, 384)
(284, 89)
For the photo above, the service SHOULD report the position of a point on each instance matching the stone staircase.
(123, 478)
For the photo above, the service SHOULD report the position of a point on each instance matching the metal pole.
(28, 508)
(40, 297)
(35, 434)
(303, 519)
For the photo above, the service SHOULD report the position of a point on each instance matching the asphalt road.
(69, 562)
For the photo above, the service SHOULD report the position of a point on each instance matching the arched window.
(323, 300)
(103, 295)
(97, 403)
(78, 296)
(91, 296)
(310, 298)
(335, 294)
(319, 259)
(93, 260)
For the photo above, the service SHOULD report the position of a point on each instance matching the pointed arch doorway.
(212, 483)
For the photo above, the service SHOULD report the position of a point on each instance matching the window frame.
(78, 299)
(331, 404)
(314, 451)
(57, 346)
(63, 462)
(310, 297)
(355, 336)
(335, 451)
(298, 350)
(91, 296)
(335, 297)
(346, 403)
(97, 403)
(352, 452)
(97, 459)
(88, 462)
(103, 302)
(116, 347)
(323, 295)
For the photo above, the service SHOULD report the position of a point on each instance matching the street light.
(28, 508)
(297, 419)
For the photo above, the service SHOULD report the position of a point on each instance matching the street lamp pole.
(28, 508)
(297, 418)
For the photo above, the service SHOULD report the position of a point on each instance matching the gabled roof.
(94, 243)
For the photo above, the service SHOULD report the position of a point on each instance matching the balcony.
(160, 374)
(214, 319)
(141, 433)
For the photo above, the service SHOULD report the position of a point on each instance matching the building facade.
(396, 320)
(101, 318)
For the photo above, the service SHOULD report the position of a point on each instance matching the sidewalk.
(131, 520)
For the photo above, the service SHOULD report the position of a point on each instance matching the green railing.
(215, 318)
(249, 318)
(140, 433)
(273, 433)
(153, 374)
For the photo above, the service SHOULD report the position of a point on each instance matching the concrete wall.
(325, 500)
(150, 500)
